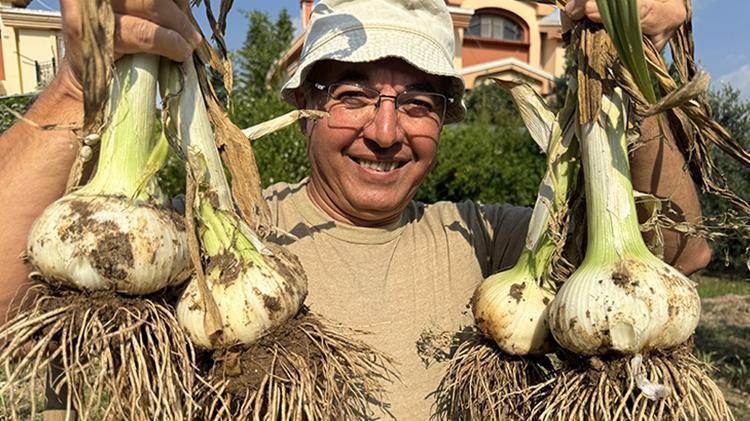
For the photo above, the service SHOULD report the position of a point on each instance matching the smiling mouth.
(379, 166)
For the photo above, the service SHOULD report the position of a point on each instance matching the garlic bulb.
(109, 243)
(250, 287)
(113, 233)
(253, 292)
(622, 298)
(511, 308)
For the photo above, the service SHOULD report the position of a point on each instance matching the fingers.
(134, 35)
(659, 18)
(164, 13)
(152, 26)
(578, 9)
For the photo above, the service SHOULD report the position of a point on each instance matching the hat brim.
(366, 44)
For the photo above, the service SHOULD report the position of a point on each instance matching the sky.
(721, 30)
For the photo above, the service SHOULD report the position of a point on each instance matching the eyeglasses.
(353, 105)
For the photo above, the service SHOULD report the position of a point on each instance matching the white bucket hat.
(419, 32)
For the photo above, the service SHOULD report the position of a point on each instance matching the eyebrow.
(357, 77)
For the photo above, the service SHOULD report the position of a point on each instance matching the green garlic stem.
(129, 135)
(613, 230)
(553, 192)
(194, 130)
(222, 229)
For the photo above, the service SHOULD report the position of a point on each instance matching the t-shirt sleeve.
(504, 227)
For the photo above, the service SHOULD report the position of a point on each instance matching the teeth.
(378, 166)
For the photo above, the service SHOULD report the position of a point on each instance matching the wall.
(526, 12)
(26, 37)
(481, 51)
(34, 45)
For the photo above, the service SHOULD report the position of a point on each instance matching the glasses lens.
(354, 106)
(351, 105)
(421, 110)
(352, 96)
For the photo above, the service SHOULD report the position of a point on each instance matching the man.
(375, 259)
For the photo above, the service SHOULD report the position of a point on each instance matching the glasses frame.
(327, 89)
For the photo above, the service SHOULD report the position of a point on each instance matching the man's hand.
(148, 26)
(659, 18)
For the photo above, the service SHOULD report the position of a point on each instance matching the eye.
(351, 96)
(418, 104)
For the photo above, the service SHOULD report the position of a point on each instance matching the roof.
(25, 18)
(31, 12)
(508, 61)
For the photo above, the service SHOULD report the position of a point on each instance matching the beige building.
(493, 38)
(31, 47)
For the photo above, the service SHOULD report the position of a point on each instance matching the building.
(31, 47)
(494, 38)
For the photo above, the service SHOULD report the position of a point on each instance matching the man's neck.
(338, 215)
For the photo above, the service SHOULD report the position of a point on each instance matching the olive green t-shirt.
(400, 281)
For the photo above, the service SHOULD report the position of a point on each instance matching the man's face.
(366, 173)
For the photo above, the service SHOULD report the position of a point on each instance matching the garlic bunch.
(511, 307)
(621, 298)
(253, 291)
(249, 286)
(109, 243)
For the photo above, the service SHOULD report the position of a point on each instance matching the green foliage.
(19, 104)
(487, 163)
(172, 176)
(732, 112)
(264, 43)
(490, 157)
(281, 156)
(709, 287)
(490, 104)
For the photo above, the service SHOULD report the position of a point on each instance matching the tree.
(281, 156)
(489, 157)
(264, 43)
(732, 112)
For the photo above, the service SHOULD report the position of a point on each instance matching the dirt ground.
(723, 339)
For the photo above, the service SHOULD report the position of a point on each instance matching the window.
(488, 25)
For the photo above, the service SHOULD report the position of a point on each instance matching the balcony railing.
(45, 71)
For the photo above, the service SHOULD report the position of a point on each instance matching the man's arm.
(658, 168)
(34, 167)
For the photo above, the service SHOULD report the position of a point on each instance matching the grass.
(710, 286)
(723, 337)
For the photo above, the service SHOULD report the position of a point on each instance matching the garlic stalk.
(114, 233)
(254, 286)
(621, 298)
(511, 306)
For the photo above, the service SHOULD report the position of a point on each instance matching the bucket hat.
(419, 32)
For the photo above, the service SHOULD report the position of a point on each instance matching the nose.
(384, 128)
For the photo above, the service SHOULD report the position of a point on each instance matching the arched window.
(491, 25)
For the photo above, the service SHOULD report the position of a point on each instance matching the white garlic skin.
(511, 309)
(95, 243)
(628, 306)
(251, 301)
